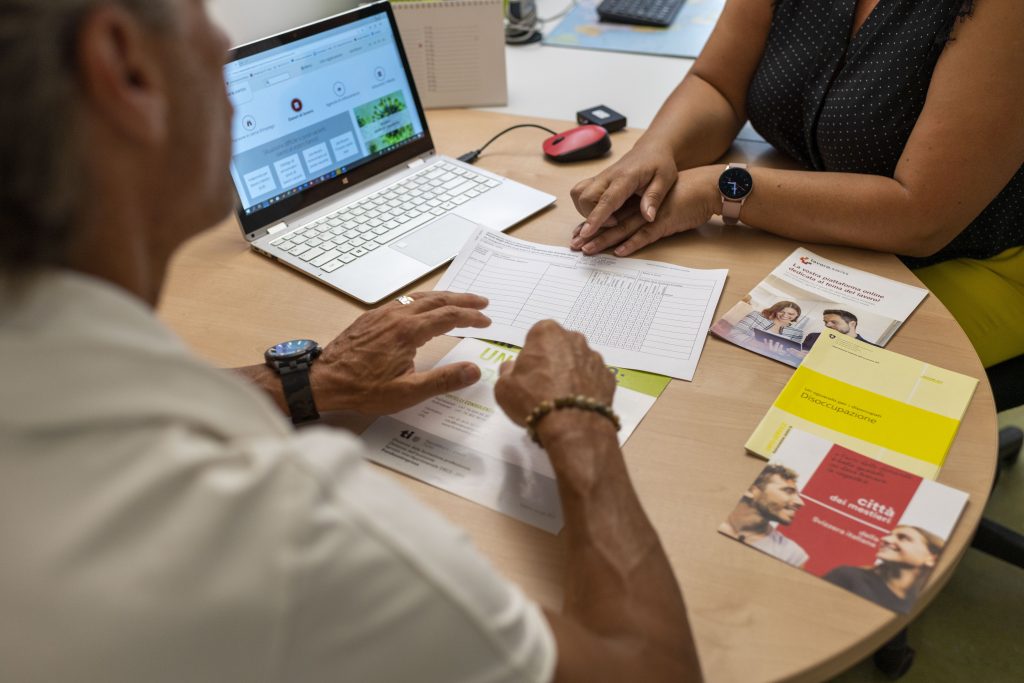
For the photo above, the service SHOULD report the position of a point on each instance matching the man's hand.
(369, 368)
(623, 617)
(647, 172)
(690, 203)
(553, 363)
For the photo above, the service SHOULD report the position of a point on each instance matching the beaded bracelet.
(580, 402)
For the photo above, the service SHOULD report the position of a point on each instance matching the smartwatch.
(292, 360)
(735, 184)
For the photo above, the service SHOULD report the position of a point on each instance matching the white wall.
(247, 20)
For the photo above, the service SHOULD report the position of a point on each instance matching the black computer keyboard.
(643, 12)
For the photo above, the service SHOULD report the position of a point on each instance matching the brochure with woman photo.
(783, 316)
(867, 527)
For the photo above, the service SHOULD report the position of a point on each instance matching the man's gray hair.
(40, 157)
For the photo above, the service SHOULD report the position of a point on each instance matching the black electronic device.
(603, 116)
(642, 12)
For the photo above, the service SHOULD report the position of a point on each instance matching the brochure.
(462, 442)
(785, 314)
(870, 528)
(881, 404)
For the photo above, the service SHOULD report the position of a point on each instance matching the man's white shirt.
(786, 549)
(161, 521)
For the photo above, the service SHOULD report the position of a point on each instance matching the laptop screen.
(315, 108)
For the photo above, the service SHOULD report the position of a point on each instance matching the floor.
(974, 629)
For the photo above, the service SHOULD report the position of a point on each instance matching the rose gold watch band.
(731, 207)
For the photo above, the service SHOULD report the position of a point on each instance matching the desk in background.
(754, 618)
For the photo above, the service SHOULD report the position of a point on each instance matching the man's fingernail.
(620, 251)
(470, 374)
(651, 213)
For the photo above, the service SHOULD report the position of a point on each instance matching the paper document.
(807, 295)
(890, 407)
(637, 314)
(463, 443)
(856, 522)
(456, 50)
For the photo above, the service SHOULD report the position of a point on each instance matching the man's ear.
(120, 72)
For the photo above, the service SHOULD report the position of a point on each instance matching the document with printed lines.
(643, 315)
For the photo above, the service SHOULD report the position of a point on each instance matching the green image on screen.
(384, 122)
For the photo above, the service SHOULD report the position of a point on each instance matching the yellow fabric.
(986, 298)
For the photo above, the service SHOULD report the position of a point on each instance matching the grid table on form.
(638, 314)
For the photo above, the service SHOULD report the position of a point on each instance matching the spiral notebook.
(456, 49)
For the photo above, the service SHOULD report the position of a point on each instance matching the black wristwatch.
(292, 360)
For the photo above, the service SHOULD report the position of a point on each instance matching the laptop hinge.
(416, 162)
(274, 229)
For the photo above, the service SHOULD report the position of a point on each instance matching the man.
(771, 500)
(841, 321)
(160, 519)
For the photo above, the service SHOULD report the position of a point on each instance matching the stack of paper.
(881, 404)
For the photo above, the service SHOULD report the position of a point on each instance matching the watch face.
(735, 183)
(291, 349)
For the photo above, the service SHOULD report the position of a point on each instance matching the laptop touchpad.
(435, 243)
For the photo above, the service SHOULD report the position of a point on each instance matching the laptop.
(333, 164)
(786, 343)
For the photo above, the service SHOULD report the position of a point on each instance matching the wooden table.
(755, 618)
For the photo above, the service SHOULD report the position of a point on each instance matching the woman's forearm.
(850, 209)
(696, 122)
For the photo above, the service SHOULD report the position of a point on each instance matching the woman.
(906, 115)
(903, 564)
(776, 319)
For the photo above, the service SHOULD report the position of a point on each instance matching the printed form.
(464, 443)
(644, 315)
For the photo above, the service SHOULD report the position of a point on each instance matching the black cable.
(470, 157)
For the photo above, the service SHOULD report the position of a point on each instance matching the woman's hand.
(690, 203)
(648, 171)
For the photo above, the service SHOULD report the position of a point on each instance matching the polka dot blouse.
(844, 105)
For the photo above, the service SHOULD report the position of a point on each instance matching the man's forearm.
(266, 379)
(329, 392)
(619, 583)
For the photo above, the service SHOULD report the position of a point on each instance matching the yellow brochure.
(887, 406)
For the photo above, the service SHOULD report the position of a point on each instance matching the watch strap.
(731, 207)
(731, 211)
(298, 393)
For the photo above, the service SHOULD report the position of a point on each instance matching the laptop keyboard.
(340, 238)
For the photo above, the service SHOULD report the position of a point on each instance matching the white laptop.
(334, 166)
